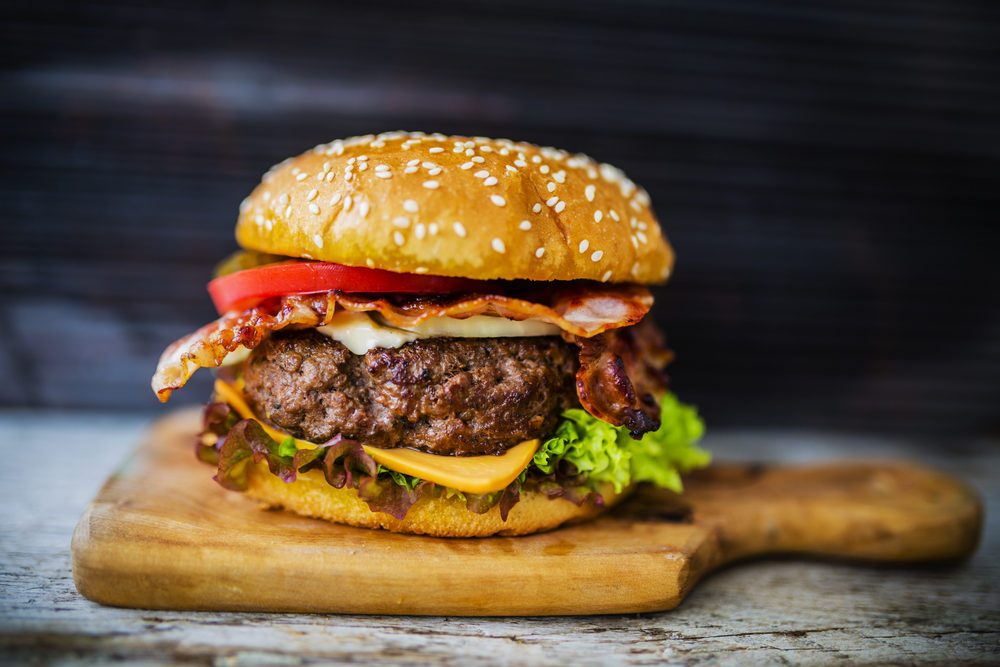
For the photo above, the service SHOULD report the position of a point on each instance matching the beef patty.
(443, 395)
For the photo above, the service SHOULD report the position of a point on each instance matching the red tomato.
(243, 288)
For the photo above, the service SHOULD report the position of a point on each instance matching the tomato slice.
(244, 288)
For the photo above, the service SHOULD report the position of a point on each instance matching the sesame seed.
(413, 163)
(584, 244)
(283, 199)
(560, 176)
(410, 205)
(492, 180)
(362, 158)
(334, 199)
(468, 165)
(614, 215)
(431, 185)
(597, 216)
(382, 167)
(428, 165)
(537, 208)
(469, 151)
(268, 224)
(419, 231)
(329, 176)
(382, 174)
(635, 205)
(635, 241)
(347, 203)
(589, 191)
(486, 149)
(363, 209)
(591, 173)
(432, 228)
(536, 158)
(318, 240)
(642, 237)
(259, 220)
(560, 206)
(420, 269)
(245, 204)
(642, 225)
(539, 253)
(312, 194)
(511, 168)
(633, 223)
(434, 172)
(482, 173)
(411, 170)
(436, 149)
(606, 276)
(459, 229)
(525, 225)
(479, 159)
(362, 166)
(504, 151)
(402, 222)
(552, 201)
(498, 200)
(313, 208)
(398, 238)
(520, 163)
(498, 246)
(301, 177)
(596, 255)
(551, 187)
(288, 211)
(350, 176)
(544, 169)
(369, 262)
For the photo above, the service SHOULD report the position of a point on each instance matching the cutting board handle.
(874, 511)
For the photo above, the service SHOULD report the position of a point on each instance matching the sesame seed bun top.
(457, 206)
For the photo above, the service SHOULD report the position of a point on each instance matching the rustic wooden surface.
(764, 612)
(160, 535)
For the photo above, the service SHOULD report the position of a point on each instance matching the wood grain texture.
(161, 535)
(761, 612)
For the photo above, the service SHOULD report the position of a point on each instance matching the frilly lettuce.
(583, 453)
(606, 453)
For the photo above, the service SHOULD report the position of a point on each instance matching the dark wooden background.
(829, 173)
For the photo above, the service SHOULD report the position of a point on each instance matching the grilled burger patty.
(459, 396)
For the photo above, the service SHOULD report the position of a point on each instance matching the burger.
(440, 335)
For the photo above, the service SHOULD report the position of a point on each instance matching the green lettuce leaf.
(606, 453)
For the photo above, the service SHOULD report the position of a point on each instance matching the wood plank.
(161, 535)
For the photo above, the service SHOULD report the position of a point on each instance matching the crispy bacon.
(621, 378)
(580, 310)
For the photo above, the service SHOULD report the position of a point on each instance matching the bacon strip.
(580, 311)
(621, 377)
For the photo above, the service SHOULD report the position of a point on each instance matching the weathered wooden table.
(765, 612)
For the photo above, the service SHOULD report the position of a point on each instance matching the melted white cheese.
(360, 333)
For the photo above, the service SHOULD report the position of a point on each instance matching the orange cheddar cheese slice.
(468, 474)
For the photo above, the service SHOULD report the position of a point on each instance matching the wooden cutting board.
(162, 535)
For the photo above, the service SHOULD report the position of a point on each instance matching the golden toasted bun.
(457, 206)
(311, 495)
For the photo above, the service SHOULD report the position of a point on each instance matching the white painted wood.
(751, 613)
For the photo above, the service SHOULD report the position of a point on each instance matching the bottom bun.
(311, 495)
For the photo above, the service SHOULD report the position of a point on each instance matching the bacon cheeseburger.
(440, 335)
